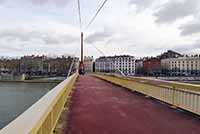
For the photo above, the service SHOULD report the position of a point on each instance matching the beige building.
(88, 63)
(187, 66)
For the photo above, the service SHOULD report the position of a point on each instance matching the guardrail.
(42, 117)
(185, 96)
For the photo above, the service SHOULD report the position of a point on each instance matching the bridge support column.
(81, 65)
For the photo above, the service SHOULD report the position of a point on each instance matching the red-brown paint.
(99, 107)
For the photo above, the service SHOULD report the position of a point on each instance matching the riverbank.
(190, 82)
(36, 80)
(181, 78)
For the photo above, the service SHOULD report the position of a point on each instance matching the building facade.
(123, 64)
(139, 67)
(38, 65)
(32, 64)
(11, 66)
(88, 63)
(181, 66)
(152, 66)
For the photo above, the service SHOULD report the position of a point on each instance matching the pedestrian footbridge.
(113, 104)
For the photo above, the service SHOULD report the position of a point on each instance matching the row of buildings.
(36, 65)
(169, 63)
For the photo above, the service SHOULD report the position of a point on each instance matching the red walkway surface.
(99, 107)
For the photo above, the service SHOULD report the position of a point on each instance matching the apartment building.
(181, 66)
(152, 66)
(88, 63)
(124, 64)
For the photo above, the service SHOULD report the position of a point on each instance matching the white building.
(124, 64)
(88, 63)
(188, 66)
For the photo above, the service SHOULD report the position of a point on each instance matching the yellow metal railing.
(185, 96)
(42, 117)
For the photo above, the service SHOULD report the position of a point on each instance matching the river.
(16, 97)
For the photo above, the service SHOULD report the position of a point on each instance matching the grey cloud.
(120, 38)
(98, 36)
(68, 39)
(174, 10)
(50, 40)
(14, 34)
(60, 3)
(190, 28)
(5, 47)
(182, 48)
(56, 2)
(26, 35)
(141, 4)
(185, 48)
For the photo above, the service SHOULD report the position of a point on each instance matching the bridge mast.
(81, 66)
(82, 47)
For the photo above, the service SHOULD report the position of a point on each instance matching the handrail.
(157, 82)
(182, 95)
(168, 83)
(42, 117)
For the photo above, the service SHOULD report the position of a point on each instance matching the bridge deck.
(99, 107)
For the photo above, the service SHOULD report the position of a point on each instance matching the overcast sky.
(135, 27)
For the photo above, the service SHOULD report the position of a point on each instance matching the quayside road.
(99, 107)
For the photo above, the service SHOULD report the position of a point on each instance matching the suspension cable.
(72, 64)
(79, 14)
(93, 18)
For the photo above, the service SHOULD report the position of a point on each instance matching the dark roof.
(116, 56)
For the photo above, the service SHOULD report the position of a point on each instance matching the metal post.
(81, 47)
(81, 66)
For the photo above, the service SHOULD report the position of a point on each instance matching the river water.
(16, 97)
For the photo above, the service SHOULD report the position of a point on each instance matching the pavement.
(99, 107)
